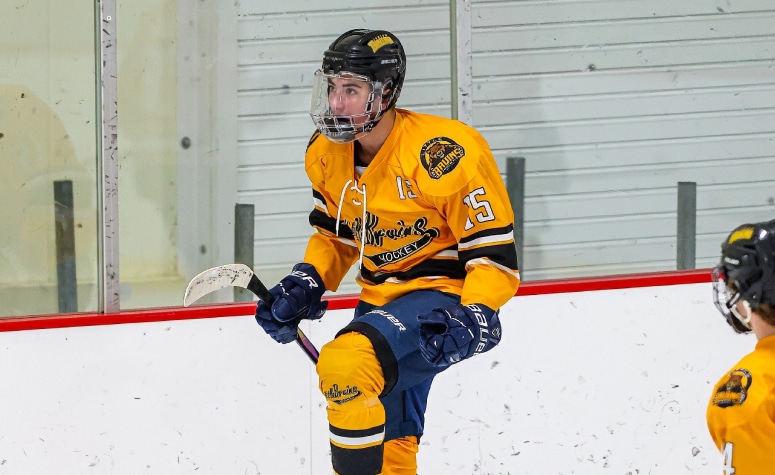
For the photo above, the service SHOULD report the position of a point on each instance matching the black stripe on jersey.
(432, 267)
(318, 195)
(503, 254)
(489, 232)
(322, 220)
(313, 138)
(356, 434)
(366, 461)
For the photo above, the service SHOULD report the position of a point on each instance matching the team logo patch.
(379, 42)
(341, 396)
(744, 233)
(440, 155)
(735, 390)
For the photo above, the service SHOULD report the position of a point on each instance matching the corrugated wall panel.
(624, 129)
(549, 85)
(616, 154)
(601, 58)
(280, 47)
(316, 7)
(335, 22)
(535, 12)
(613, 204)
(612, 103)
(607, 106)
(625, 255)
(631, 31)
(638, 177)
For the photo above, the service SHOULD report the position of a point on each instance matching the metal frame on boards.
(107, 163)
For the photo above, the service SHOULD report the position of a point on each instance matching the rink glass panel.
(48, 130)
(610, 102)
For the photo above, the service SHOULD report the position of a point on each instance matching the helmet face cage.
(345, 105)
(746, 273)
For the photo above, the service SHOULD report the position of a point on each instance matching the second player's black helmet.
(747, 268)
(376, 54)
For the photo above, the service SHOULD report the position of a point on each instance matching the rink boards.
(599, 381)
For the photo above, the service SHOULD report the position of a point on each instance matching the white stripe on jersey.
(486, 240)
(353, 441)
(342, 240)
(320, 204)
(394, 280)
(348, 242)
(488, 262)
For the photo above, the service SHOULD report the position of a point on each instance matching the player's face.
(348, 96)
(345, 105)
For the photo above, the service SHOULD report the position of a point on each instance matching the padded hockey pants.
(376, 384)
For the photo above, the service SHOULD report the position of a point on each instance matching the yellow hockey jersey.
(741, 413)
(429, 212)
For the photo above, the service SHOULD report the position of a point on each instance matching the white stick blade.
(216, 278)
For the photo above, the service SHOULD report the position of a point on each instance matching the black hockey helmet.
(372, 59)
(746, 272)
(376, 54)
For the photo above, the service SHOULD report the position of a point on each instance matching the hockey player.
(741, 411)
(418, 203)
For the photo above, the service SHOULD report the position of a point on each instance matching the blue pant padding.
(405, 404)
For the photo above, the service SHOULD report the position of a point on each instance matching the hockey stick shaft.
(239, 275)
(260, 290)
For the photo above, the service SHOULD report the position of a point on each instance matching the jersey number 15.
(482, 206)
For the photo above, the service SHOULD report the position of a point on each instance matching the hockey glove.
(455, 333)
(296, 297)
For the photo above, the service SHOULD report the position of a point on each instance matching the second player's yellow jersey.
(741, 413)
(429, 212)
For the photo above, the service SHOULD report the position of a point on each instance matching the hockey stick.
(239, 275)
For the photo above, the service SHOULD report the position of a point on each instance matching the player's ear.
(386, 97)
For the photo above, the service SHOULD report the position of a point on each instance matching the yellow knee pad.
(348, 369)
(351, 380)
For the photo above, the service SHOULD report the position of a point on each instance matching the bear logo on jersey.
(440, 156)
(734, 391)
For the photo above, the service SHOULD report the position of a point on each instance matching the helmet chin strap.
(744, 319)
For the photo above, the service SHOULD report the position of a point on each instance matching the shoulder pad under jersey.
(320, 150)
(446, 155)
